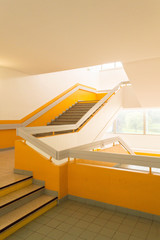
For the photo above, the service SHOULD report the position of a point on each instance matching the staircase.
(21, 201)
(74, 113)
(71, 116)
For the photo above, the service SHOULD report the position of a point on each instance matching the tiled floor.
(73, 220)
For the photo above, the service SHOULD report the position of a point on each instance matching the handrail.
(58, 99)
(45, 129)
(37, 143)
(83, 152)
(104, 142)
(138, 160)
(27, 133)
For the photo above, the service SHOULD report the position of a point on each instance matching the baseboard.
(51, 192)
(115, 208)
(23, 172)
(5, 149)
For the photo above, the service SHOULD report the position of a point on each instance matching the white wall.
(110, 78)
(21, 94)
(129, 98)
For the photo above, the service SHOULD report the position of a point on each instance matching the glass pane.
(108, 66)
(110, 129)
(119, 65)
(95, 68)
(130, 121)
(153, 121)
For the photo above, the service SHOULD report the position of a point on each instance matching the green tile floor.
(73, 220)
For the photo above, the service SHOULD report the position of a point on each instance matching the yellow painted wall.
(8, 137)
(134, 190)
(55, 177)
(100, 96)
(129, 189)
(148, 154)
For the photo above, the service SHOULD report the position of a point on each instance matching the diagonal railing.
(47, 108)
(27, 133)
(46, 129)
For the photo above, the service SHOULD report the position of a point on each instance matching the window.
(153, 121)
(130, 121)
(106, 66)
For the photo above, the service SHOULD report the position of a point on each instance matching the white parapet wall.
(91, 130)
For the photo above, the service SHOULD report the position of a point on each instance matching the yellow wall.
(8, 137)
(148, 154)
(55, 177)
(134, 190)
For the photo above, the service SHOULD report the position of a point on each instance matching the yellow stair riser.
(15, 187)
(28, 219)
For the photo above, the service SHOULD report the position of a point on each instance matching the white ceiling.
(40, 36)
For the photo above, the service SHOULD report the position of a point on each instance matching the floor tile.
(82, 224)
(107, 232)
(121, 236)
(94, 228)
(88, 235)
(55, 234)
(35, 236)
(75, 231)
(64, 227)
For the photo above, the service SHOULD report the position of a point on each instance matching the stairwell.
(21, 201)
(71, 116)
(74, 113)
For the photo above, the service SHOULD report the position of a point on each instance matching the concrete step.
(13, 182)
(19, 217)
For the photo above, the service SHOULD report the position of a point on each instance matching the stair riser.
(20, 202)
(65, 120)
(63, 123)
(73, 114)
(79, 114)
(26, 220)
(15, 187)
(83, 106)
(77, 111)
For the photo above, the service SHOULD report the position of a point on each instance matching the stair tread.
(10, 197)
(11, 179)
(13, 216)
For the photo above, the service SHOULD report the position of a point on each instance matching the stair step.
(83, 107)
(13, 182)
(44, 134)
(65, 120)
(62, 123)
(19, 194)
(11, 179)
(78, 113)
(74, 113)
(17, 218)
(69, 117)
